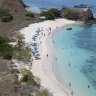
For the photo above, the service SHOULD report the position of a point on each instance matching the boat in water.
(69, 28)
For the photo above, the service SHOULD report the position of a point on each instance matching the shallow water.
(76, 58)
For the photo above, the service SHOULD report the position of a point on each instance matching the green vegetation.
(27, 77)
(29, 14)
(70, 14)
(5, 16)
(44, 93)
(56, 13)
(21, 52)
(47, 15)
(51, 13)
(6, 50)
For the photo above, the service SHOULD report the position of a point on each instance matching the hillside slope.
(18, 11)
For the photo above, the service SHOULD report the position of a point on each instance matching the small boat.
(69, 28)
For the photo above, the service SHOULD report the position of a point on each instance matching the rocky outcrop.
(84, 14)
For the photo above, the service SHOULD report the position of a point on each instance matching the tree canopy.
(51, 13)
(70, 14)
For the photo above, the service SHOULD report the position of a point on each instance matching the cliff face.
(85, 14)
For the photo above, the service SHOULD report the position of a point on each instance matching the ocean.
(75, 51)
(35, 5)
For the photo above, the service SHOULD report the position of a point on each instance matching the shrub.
(6, 50)
(22, 53)
(30, 14)
(45, 92)
(2, 40)
(5, 16)
(27, 77)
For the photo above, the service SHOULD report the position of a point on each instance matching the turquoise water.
(75, 51)
(37, 4)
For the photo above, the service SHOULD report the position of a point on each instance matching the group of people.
(33, 44)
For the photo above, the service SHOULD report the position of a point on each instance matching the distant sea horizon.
(36, 5)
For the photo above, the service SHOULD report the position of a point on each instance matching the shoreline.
(42, 68)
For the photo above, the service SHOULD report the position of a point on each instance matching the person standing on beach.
(50, 28)
(47, 55)
(69, 84)
(55, 58)
(72, 93)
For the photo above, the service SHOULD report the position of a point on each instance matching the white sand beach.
(43, 67)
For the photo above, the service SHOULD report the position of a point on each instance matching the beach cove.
(43, 67)
(57, 61)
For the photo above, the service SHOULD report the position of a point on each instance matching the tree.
(48, 15)
(70, 14)
(6, 50)
(55, 12)
(51, 13)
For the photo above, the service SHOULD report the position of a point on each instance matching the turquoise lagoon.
(75, 51)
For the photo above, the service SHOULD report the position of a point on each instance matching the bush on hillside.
(2, 40)
(22, 53)
(45, 92)
(70, 14)
(5, 16)
(6, 50)
(29, 14)
(28, 77)
(55, 12)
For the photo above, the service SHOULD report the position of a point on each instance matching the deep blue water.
(36, 4)
(76, 58)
